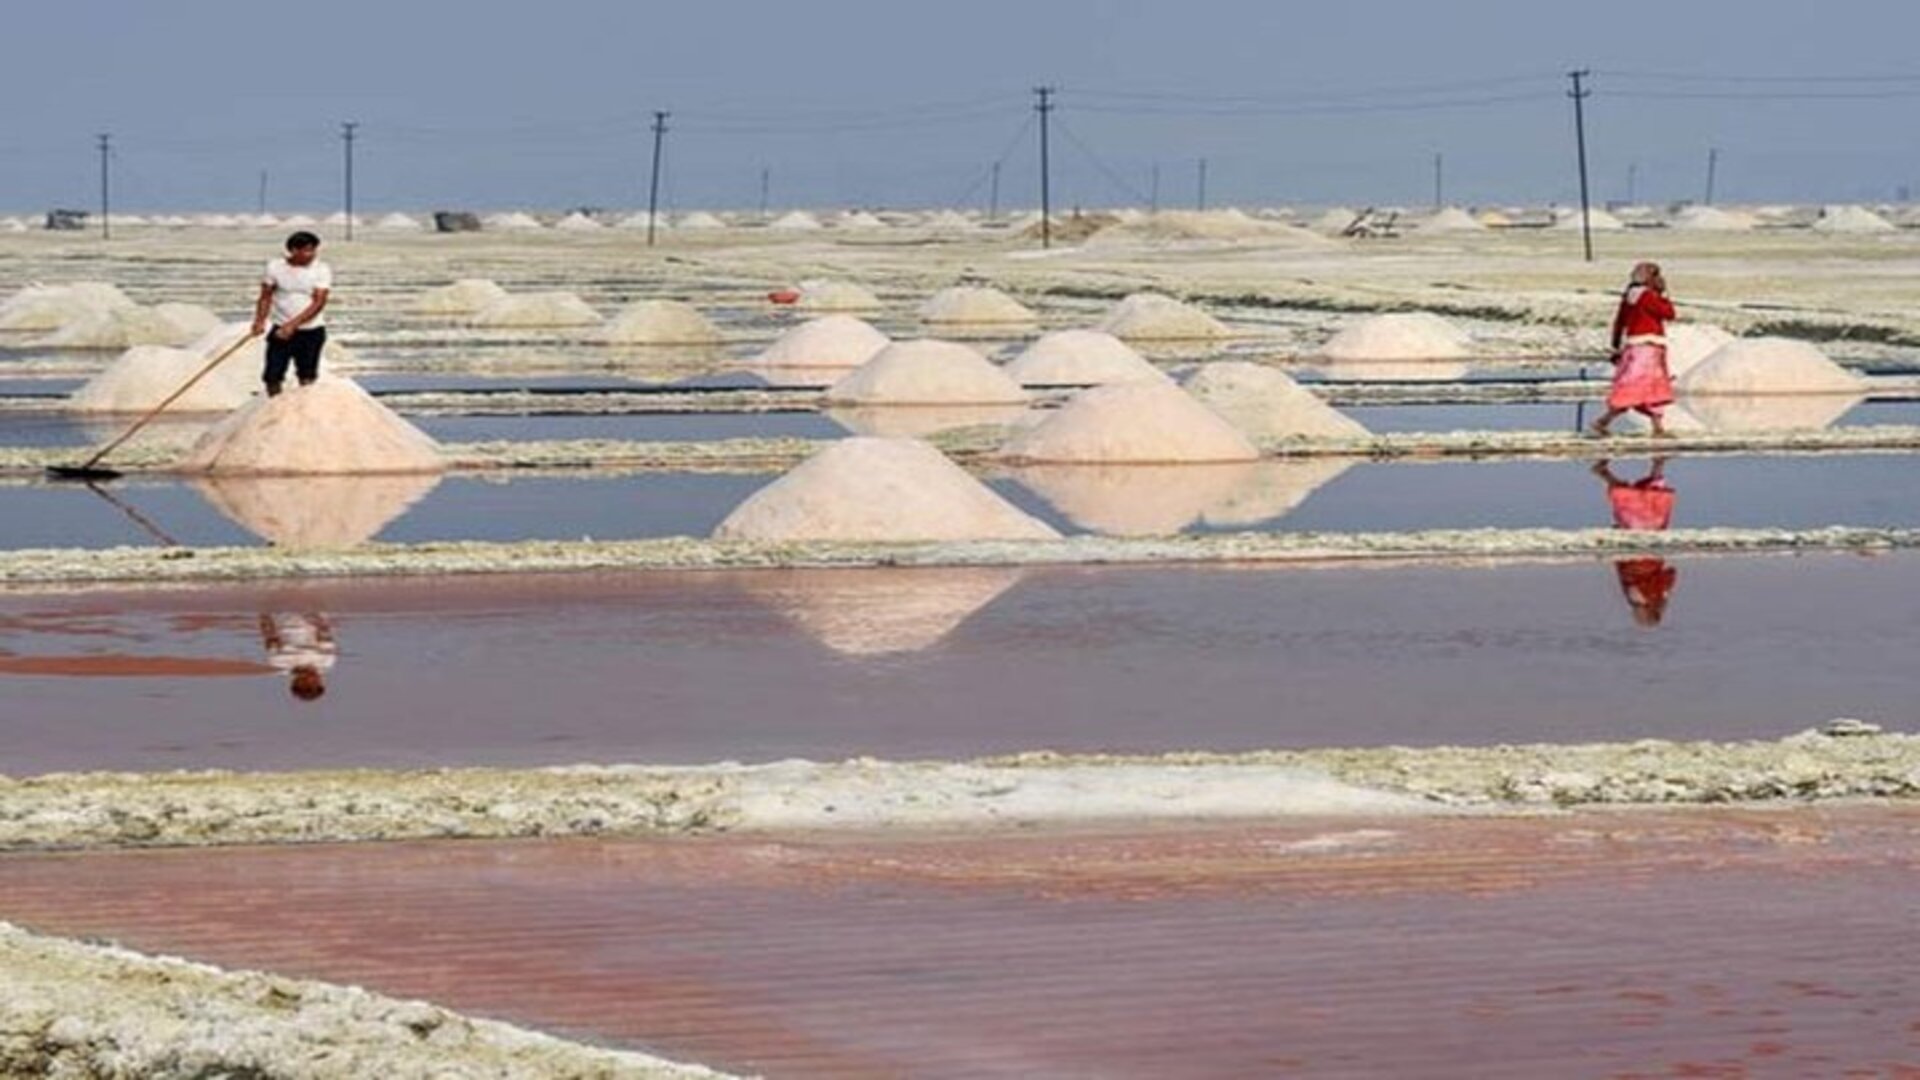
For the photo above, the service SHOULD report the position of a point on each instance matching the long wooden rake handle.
(170, 399)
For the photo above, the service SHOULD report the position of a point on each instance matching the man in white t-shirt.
(294, 293)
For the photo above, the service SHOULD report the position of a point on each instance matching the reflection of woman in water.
(1645, 505)
(302, 646)
(1641, 382)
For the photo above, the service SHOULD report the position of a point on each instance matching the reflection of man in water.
(302, 646)
(1644, 505)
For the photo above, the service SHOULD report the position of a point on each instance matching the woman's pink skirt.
(1640, 379)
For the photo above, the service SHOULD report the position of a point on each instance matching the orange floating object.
(784, 296)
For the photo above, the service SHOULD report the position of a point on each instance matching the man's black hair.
(302, 239)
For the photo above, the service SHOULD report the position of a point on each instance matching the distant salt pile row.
(1414, 335)
(1711, 219)
(878, 490)
(1220, 226)
(49, 307)
(97, 315)
(1153, 317)
(1851, 219)
(1597, 219)
(329, 428)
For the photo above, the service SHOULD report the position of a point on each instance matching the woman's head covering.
(1644, 273)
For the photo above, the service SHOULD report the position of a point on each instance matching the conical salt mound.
(536, 310)
(875, 612)
(859, 219)
(120, 328)
(1768, 366)
(643, 219)
(1272, 489)
(468, 296)
(659, 322)
(332, 427)
(578, 222)
(1597, 219)
(513, 222)
(974, 304)
(1134, 500)
(866, 489)
(701, 219)
(49, 307)
(820, 295)
(1765, 412)
(1451, 219)
(1413, 335)
(315, 512)
(795, 221)
(831, 341)
(921, 421)
(1080, 358)
(926, 373)
(1263, 403)
(1152, 422)
(1711, 219)
(1688, 343)
(145, 375)
(1335, 219)
(397, 222)
(1851, 219)
(1152, 317)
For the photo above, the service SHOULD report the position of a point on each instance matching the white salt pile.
(820, 294)
(1134, 500)
(1451, 219)
(642, 219)
(1263, 403)
(926, 372)
(701, 219)
(513, 222)
(795, 221)
(866, 489)
(49, 307)
(1711, 219)
(876, 612)
(1761, 412)
(330, 427)
(578, 222)
(13, 225)
(1335, 219)
(1494, 219)
(1080, 358)
(1851, 219)
(120, 328)
(972, 304)
(1226, 226)
(1153, 317)
(143, 376)
(922, 421)
(1152, 422)
(467, 296)
(659, 322)
(398, 222)
(1272, 490)
(1768, 365)
(536, 310)
(831, 341)
(859, 220)
(1598, 220)
(1412, 335)
(948, 221)
(1688, 343)
(307, 513)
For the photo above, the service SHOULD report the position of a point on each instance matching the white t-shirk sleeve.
(266, 278)
(323, 276)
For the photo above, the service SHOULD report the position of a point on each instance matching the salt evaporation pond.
(951, 663)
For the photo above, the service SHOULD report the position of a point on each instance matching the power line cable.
(1112, 176)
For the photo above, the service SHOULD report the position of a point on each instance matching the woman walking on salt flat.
(1641, 381)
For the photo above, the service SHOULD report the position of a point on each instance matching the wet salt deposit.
(1152, 422)
(330, 427)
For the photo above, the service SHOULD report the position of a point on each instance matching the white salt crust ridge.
(1263, 403)
(1080, 358)
(542, 309)
(926, 372)
(48, 307)
(1769, 365)
(331, 427)
(833, 342)
(659, 322)
(873, 489)
(822, 295)
(315, 513)
(145, 375)
(1153, 317)
(974, 304)
(1132, 423)
(467, 296)
(1412, 335)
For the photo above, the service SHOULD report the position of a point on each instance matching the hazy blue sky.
(491, 103)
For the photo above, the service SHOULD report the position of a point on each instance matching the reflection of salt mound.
(331, 427)
(873, 612)
(1152, 422)
(1152, 317)
(143, 376)
(1690, 343)
(920, 421)
(1134, 500)
(467, 296)
(1767, 412)
(878, 490)
(1272, 489)
(1263, 403)
(1174, 226)
(48, 307)
(1598, 220)
(1411, 335)
(1851, 219)
(536, 309)
(927, 373)
(973, 304)
(819, 295)
(795, 221)
(1080, 358)
(1451, 219)
(700, 219)
(831, 341)
(1768, 366)
(314, 512)
(578, 222)
(660, 322)
(163, 324)
(1711, 219)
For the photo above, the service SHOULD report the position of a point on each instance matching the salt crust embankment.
(82, 1011)
(1846, 759)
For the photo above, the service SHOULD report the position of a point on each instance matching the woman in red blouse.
(1640, 379)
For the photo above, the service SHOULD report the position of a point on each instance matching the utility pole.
(653, 189)
(1579, 94)
(261, 202)
(1713, 162)
(1153, 190)
(993, 194)
(106, 144)
(347, 130)
(1439, 183)
(766, 185)
(1633, 177)
(1200, 193)
(1045, 107)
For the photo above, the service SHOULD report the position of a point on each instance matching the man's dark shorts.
(303, 352)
